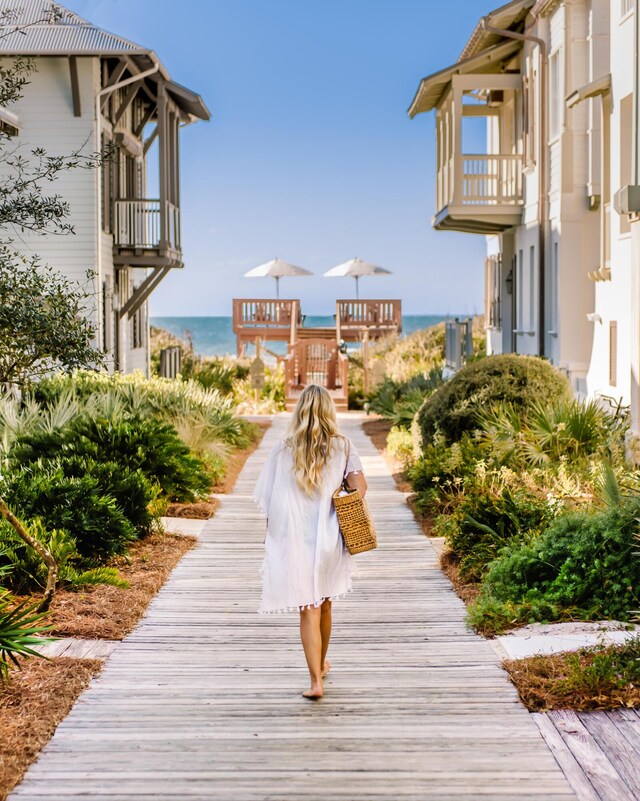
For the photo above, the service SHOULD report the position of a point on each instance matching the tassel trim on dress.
(313, 605)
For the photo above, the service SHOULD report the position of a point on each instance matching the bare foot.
(314, 692)
(326, 668)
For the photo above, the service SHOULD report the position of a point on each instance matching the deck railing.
(369, 314)
(480, 180)
(138, 224)
(249, 313)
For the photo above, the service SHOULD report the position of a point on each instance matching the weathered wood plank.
(202, 701)
(594, 762)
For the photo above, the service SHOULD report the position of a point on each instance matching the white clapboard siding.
(47, 120)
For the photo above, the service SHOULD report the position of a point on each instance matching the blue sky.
(310, 155)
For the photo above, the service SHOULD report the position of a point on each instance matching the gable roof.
(433, 87)
(508, 17)
(43, 28)
(32, 28)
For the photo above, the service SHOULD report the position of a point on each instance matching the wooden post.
(365, 360)
(293, 330)
(458, 161)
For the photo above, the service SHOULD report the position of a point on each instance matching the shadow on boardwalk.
(202, 700)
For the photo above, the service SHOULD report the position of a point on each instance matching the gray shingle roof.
(27, 28)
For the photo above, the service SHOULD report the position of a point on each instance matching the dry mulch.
(377, 429)
(32, 704)
(466, 591)
(201, 510)
(102, 612)
(572, 681)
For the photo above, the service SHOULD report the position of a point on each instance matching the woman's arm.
(357, 481)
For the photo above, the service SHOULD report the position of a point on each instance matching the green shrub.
(400, 445)
(21, 628)
(400, 401)
(145, 444)
(155, 397)
(437, 476)
(548, 433)
(453, 409)
(96, 523)
(218, 373)
(485, 521)
(26, 572)
(584, 563)
(132, 491)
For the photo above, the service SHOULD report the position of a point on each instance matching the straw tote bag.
(354, 520)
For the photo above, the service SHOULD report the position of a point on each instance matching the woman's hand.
(357, 481)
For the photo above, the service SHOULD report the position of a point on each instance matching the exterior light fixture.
(509, 282)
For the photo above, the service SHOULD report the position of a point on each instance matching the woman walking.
(306, 564)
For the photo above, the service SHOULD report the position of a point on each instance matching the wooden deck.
(599, 752)
(202, 701)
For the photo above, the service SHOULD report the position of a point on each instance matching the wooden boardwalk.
(202, 701)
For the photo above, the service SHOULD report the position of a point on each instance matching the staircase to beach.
(314, 353)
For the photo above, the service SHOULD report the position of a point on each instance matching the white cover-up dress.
(305, 559)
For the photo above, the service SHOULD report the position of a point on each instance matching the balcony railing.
(259, 314)
(480, 180)
(376, 316)
(138, 224)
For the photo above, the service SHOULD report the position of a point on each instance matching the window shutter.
(613, 353)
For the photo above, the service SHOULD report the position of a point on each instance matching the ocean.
(213, 336)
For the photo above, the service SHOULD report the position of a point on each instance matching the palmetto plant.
(567, 429)
(25, 571)
(20, 627)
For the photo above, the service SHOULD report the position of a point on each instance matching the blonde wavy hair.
(311, 436)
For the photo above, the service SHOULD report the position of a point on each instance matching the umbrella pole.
(277, 287)
(357, 288)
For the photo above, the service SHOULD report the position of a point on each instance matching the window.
(626, 147)
(555, 95)
(106, 168)
(138, 328)
(553, 292)
(613, 353)
(532, 288)
(520, 325)
(528, 117)
(494, 292)
(105, 316)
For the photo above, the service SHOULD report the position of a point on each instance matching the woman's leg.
(325, 632)
(312, 643)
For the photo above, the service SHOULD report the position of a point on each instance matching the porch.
(478, 192)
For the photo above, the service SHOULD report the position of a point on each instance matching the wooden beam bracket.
(142, 292)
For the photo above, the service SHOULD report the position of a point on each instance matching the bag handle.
(346, 464)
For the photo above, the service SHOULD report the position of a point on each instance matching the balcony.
(375, 317)
(146, 233)
(479, 193)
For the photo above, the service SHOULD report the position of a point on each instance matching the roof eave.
(503, 17)
(469, 66)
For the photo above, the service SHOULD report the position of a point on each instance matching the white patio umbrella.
(276, 268)
(356, 268)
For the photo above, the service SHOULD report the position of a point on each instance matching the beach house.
(554, 186)
(95, 91)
